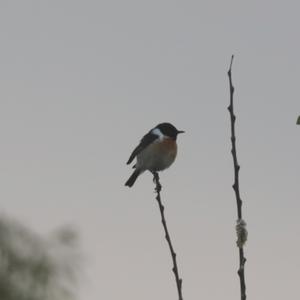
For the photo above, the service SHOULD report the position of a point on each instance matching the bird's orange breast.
(158, 155)
(165, 152)
(168, 147)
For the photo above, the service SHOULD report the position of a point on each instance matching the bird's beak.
(180, 131)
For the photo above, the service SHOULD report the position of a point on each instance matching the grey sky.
(82, 81)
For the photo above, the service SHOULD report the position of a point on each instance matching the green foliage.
(36, 268)
(298, 121)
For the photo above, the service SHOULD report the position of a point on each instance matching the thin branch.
(167, 235)
(235, 186)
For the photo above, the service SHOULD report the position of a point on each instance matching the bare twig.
(167, 235)
(235, 186)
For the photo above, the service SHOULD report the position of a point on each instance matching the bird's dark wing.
(145, 141)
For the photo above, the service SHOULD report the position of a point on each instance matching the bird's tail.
(130, 182)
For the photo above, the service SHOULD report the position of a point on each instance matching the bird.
(156, 151)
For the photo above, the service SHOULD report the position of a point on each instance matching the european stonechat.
(156, 151)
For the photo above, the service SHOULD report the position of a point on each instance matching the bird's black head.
(169, 130)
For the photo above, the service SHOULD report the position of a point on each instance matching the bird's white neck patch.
(158, 133)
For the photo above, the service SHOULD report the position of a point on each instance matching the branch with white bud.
(241, 232)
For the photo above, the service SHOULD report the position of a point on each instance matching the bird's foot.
(156, 181)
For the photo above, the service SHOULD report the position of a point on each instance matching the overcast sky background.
(83, 81)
